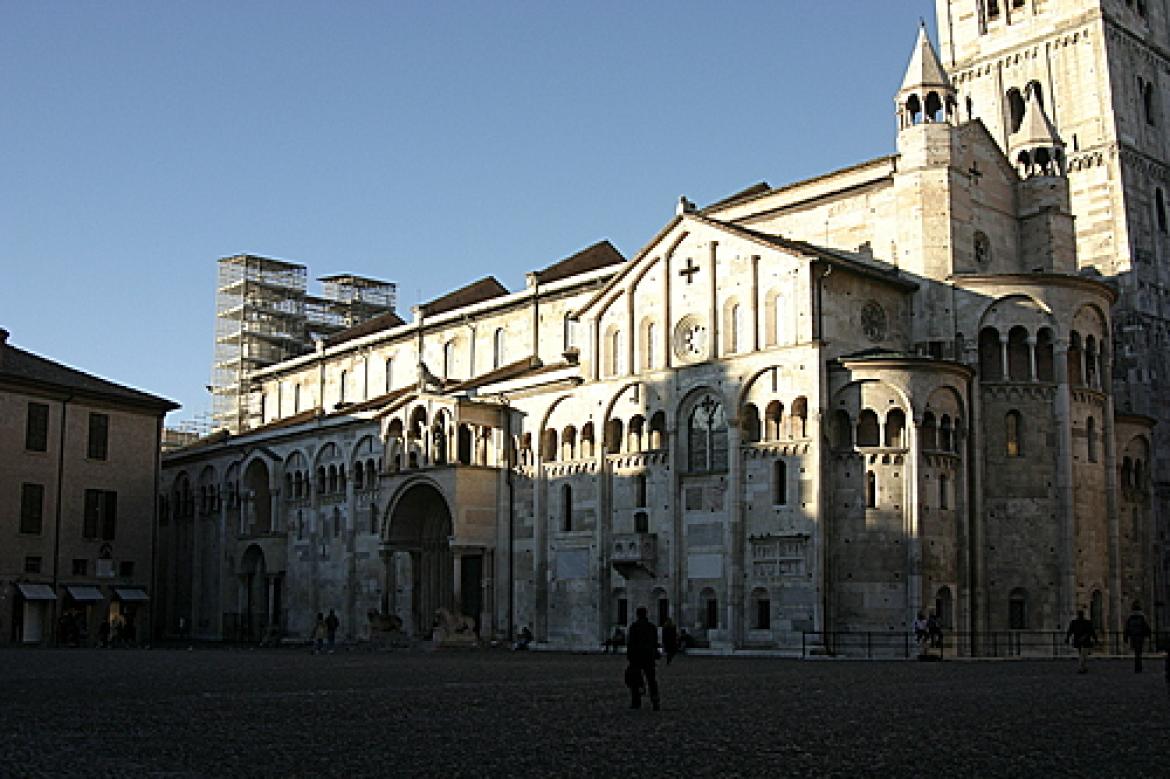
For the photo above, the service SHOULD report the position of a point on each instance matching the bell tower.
(1099, 72)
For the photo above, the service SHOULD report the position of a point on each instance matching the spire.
(925, 72)
(927, 95)
(1036, 146)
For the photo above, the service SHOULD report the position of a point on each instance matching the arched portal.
(254, 595)
(419, 530)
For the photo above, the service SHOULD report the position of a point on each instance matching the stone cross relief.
(689, 271)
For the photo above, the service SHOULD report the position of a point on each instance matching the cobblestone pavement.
(284, 712)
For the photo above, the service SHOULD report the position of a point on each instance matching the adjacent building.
(79, 468)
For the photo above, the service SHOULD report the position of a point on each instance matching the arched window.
(990, 359)
(895, 429)
(750, 424)
(1075, 377)
(651, 340)
(929, 432)
(498, 348)
(566, 508)
(1148, 103)
(913, 110)
(870, 490)
(944, 491)
(773, 416)
(1127, 473)
(389, 373)
(614, 430)
(1091, 438)
(549, 445)
(463, 444)
(1018, 609)
(568, 442)
(587, 440)
(1015, 105)
(779, 483)
(842, 430)
(1019, 359)
(640, 491)
(341, 382)
(1044, 356)
(1090, 361)
(449, 359)
(1013, 430)
(945, 437)
(296, 398)
(636, 438)
(614, 346)
(799, 417)
(567, 332)
(707, 437)
(658, 430)
(868, 430)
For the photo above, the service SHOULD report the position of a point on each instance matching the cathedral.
(929, 382)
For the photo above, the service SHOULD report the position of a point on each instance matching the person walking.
(319, 633)
(331, 625)
(1080, 630)
(669, 639)
(1137, 630)
(641, 654)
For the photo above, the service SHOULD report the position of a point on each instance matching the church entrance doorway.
(253, 594)
(420, 528)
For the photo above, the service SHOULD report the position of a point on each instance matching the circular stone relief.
(690, 338)
(873, 321)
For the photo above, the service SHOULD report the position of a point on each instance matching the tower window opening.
(1015, 106)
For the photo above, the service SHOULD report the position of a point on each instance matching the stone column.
(713, 347)
(1066, 548)
(1031, 358)
(735, 568)
(754, 311)
(912, 513)
(540, 581)
(1109, 450)
(631, 341)
(1003, 357)
(457, 577)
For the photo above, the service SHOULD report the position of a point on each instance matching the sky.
(424, 143)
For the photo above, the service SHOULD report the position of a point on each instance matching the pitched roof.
(21, 367)
(924, 69)
(754, 190)
(1036, 129)
(381, 322)
(476, 292)
(599, 255)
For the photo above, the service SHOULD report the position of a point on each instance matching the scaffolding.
(264, 316)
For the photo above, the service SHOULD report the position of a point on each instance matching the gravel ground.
(283, 712)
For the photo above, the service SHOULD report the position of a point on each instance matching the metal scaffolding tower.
(264, 315)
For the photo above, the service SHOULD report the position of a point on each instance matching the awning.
(131, 594)
(84, 592)
(37, 592)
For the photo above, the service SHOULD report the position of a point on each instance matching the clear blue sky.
(426, 143)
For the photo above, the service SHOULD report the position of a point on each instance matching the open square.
(494, 713)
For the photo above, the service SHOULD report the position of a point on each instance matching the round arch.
(417, 533)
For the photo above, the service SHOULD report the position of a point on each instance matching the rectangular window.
(101, 514)
(80, 567)
(32, 507)
(623, 611)
(36, 431)
(779, 483)
(126, 568)
(99, 432)
(32, 565)
(1017, 616)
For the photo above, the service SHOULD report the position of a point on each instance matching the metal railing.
(876, 645)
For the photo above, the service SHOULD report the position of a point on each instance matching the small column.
(755, 306)
(1003, 357)
(736, 604)
(1032, 358)
(1066, 588)
(457, 577)
(912, 511)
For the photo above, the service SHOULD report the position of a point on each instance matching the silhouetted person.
(934, 631)
(1080, 630)
(331, 625)
(669, 639)
(1137, 630)
(523, 640)
(642, 652)
(319, 633)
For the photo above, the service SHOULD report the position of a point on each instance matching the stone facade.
(821, 407)
(79, 467)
